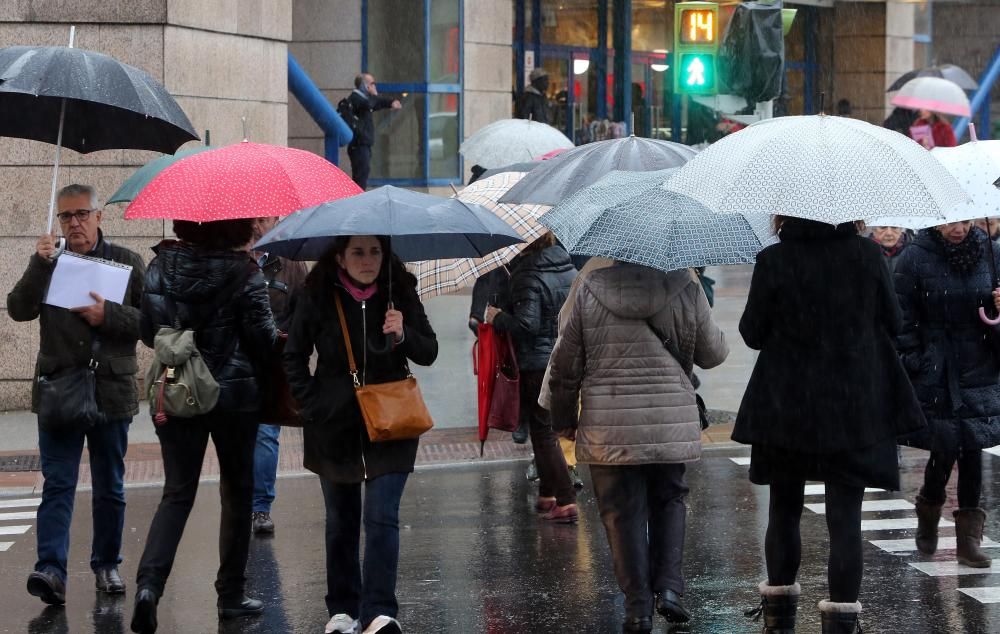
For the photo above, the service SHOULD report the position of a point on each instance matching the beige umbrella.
(439, 277)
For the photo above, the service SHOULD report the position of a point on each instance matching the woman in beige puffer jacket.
(637, 424)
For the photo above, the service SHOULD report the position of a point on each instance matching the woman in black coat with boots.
(826, 401)
(954, 361)
(387, 326)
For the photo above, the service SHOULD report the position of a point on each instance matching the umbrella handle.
(987, 320)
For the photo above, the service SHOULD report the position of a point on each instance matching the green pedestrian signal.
(696, 47)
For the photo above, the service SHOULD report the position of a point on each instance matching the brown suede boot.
(928, 516)
(969, 537)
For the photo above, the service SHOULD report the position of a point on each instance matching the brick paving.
(143, 464)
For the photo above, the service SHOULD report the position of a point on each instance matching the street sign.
(696, 47)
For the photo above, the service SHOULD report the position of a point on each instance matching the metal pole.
(59, 136)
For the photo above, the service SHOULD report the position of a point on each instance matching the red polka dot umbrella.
(245, 180)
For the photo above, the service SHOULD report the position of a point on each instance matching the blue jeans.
(369, 592)
(60, 457)
(265, 467)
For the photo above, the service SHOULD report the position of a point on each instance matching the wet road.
(476, 559)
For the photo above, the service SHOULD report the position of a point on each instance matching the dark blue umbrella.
(420, 226)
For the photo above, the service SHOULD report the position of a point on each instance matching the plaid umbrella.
(439, 277)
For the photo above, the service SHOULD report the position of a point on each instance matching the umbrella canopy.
(137, 181)
(244, 180)
(830, 169)
(934, 94)
(557, 179)
(109, 104)
(975, 165)
(628, 216)
(437, 277)
(512, 141)
(954, 74)
(524, 167)
(421, 226)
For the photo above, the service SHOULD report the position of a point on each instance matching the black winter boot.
(969, 538)
(840, 618)
(928, 516)
(778, 605)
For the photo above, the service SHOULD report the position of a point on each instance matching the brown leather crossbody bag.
(392, 411)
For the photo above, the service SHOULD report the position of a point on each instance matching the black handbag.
(67, 399)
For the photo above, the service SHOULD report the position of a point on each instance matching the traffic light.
(696, 47)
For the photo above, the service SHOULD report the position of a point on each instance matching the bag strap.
(672, 348)
(347, 339)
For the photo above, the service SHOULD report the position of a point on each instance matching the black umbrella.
(954, 74)
(85, 101)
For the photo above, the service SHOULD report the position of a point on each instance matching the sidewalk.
(20, 471)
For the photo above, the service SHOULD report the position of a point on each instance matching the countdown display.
(697, 26)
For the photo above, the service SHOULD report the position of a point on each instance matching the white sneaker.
(341, 624)
(383, 625)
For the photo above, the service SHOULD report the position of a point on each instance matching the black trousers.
(183, 443)
(361, 163)
(970, 477)
(642, 508)
(783, 543)
(553, 474)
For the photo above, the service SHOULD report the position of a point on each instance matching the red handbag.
(505, 406)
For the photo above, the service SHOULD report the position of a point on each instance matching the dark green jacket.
(66, 337)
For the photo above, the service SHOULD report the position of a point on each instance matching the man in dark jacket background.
(533, 103)
(363, 101)
(105, 332)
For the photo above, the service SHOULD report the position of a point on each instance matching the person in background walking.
(941, 133)
(356, 270)
(534, 101)
(900, 120)
(363, 101)
(208, 282)
(539, 285)
(826, 401)
(893, 241)
(284, 278)
(953, 359)
(105, 332)
(639, 422)
(993, 230)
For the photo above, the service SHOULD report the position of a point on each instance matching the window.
(414, 50)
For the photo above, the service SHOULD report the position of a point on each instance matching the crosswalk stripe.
(987, 594)
(896, 523)
(5, 546)
(820, 489)
(868, 505)
(13, 504)
(14, 530)
(741, 460)
(24, 515)
(993, 450)
(909, 545)
(952, 568)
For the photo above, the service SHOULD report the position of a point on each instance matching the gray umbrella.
(628, 216)
(954, 74)
(562, 176)
(513, 167)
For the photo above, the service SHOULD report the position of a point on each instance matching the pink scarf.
(359, 294)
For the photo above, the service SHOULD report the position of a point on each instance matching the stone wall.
(488, 66)
(859, 58)
(222, 60)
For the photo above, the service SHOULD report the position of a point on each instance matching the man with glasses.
(363, 101)
(106, 333)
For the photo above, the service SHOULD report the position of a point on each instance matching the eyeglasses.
(81, 215)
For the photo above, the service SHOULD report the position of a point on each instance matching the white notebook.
(76, 276)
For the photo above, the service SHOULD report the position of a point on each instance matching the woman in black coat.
(336, 443)
(539, 285)
(954, 361)
(207, 281)
(825, 402)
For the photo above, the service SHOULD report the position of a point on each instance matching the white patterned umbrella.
(512, 141)
(628, 216)
(976, 165)
(830, 169)
(439, 277)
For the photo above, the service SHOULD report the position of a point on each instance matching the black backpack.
(346, 112)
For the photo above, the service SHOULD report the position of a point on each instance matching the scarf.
(964, 256)
(359, 294)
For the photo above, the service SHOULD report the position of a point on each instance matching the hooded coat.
(952, 357)
(638, 405)
(823, 313)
